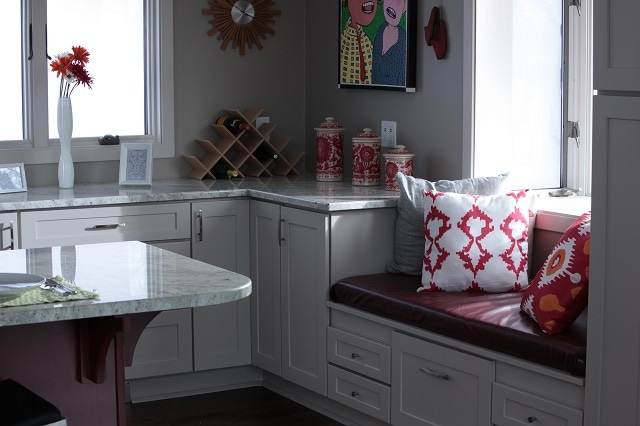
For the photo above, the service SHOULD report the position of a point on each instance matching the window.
(130, 42)
(529, 82)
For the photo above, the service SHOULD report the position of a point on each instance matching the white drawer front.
(157, 222)
(434, 385)
(360, 393)
(513, 407)
(359, 354)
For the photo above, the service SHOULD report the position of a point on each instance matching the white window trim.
(578, 173)
(39, 149)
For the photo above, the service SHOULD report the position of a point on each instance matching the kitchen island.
(73, 353)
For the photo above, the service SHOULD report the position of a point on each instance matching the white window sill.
(558, 213)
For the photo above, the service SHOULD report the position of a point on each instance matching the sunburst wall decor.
(243, 22)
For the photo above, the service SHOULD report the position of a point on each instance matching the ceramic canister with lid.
(397, 160)
(366, 158)
(329, 151)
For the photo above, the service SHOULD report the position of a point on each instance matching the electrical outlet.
(388, 134)
(260, 121)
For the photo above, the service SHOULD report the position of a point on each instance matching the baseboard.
(194, 383)
(316, 402)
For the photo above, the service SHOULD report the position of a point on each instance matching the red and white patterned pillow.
(558, 293)
(475, 243)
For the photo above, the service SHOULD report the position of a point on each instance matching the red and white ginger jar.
(366, 158)
(397, 160)
(329, 151)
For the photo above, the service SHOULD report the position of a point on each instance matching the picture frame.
(378, 50)
(12, 178)
(136, 164)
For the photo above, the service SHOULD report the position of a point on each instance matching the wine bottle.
(264, 153)
(223, 171)
(234, 125)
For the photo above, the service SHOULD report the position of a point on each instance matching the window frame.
(37, 148)
(576, 162)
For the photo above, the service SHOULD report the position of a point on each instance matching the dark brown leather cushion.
(493, 321)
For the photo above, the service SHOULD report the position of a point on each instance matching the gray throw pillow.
(408, 247)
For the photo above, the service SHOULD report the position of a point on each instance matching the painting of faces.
(377, 44)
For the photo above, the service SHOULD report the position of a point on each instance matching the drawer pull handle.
(355, 355)
(531, 419)
(435, 374)
(105, 227)
(354, 394)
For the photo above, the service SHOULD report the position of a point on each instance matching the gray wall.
(294, 78)
(429, 120)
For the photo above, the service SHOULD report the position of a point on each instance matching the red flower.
(71, 67)
(80, 54)
(61, 66)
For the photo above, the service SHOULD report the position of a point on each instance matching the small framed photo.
(136, 162)
(12, 178)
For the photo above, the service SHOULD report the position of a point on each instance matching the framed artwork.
(136, 162)
(378, 44)
(12, 178)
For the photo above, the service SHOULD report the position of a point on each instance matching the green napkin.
(37, 295)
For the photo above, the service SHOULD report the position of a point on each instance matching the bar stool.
(22, 407)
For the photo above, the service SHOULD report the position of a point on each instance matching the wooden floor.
(246, 407)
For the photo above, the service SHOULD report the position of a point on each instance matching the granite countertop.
(297, 191)
(129, 277)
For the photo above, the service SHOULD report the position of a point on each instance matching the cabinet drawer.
(157, 222)
(512, 407)
(360, 393)
(435, 385)
(359, 354)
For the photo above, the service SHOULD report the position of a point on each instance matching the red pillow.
(558, 293)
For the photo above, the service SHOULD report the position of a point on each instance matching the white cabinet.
(220, 236)
(165, 347)
(266, 337)
(613, 350)
(290, 273)
(368, 390)
(295, 256)
(513, 407)
(612, 371)
(8, 231)
(435, 385)
(147, 222)
(616, 45)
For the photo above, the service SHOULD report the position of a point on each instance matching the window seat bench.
(404, 357)
(490, 320)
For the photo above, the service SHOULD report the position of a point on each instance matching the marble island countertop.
(298, 191)
(129, 277)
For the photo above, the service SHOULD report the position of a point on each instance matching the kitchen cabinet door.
(290, 273)
(220, 236)
(616, 45)
(266, 337)
(305, 290)
(165, 345)
(8, 231)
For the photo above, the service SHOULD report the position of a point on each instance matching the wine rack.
(238, 151)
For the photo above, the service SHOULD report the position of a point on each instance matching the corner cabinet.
(220, 236)
(295, 256)
(290, 273)
(8, 231)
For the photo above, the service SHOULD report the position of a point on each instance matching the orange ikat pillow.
(558, 293)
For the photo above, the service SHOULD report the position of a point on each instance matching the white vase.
(65, 129)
